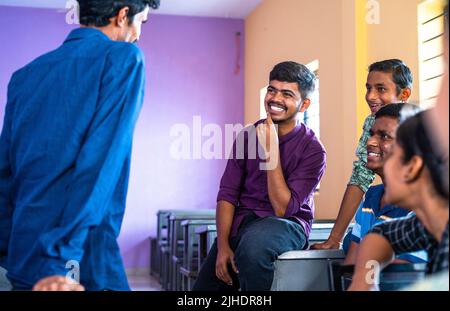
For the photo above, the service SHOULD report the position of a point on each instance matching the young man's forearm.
(349, 205)
(373, 255)
(279, 193)
(224, 220)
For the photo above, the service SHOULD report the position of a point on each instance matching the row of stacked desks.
(198, 238)
(184, 238)
(182, 243)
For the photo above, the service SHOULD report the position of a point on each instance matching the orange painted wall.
(336, 33)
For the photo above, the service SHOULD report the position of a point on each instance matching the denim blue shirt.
(370, 214)
(64, 161)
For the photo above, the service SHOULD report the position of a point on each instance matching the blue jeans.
(257, 245)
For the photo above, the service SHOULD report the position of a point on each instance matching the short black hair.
(415, 140)
(401, 74)
(98, 12)
(295, 72)
(397, 111)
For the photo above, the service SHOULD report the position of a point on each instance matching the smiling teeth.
(373, 154)
(276, 108)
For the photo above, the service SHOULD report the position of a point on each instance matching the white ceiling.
(209, 8)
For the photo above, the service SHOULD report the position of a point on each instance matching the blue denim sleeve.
(5, 178)
(101, 158)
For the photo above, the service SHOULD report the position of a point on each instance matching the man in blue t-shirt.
(373, 210)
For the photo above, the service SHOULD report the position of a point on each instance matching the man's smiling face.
(283, 100)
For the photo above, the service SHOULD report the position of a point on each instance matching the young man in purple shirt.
(265, 203)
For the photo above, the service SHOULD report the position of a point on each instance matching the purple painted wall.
(191, 66)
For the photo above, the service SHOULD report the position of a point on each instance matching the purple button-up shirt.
(244, 184)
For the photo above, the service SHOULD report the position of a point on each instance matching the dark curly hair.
(295, 73)
(414, 138)
(98, 12)
(401, 74)
(400, 111)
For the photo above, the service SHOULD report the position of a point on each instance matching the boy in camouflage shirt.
(388, 81)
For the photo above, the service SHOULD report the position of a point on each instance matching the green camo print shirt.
(361, 175)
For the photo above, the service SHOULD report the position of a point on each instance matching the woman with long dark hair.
(413, 180)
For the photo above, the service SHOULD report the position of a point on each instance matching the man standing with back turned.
(65, 153)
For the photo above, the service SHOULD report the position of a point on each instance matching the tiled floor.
(138, 282)
(143, 283)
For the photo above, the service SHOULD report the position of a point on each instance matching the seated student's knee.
(252, 252)
(276, 230)
(268, 238)
(280, 224)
